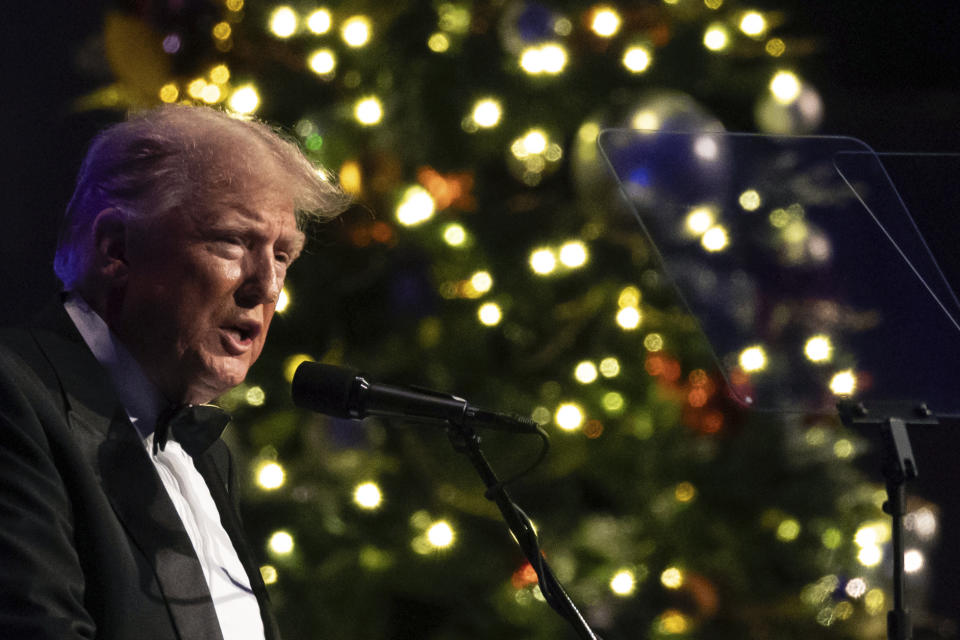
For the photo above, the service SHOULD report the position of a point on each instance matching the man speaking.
(117, 498)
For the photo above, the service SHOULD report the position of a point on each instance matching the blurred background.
(490, 256)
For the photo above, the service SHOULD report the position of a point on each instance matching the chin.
(217, 379)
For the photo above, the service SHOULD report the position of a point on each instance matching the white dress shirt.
(236, 606)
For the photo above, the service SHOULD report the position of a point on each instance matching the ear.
(110, 244)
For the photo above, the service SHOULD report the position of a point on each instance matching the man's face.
(202, 288)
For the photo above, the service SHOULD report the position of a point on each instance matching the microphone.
(342, 393)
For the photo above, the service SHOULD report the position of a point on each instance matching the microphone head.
(324, 388)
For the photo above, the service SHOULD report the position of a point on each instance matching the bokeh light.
(716, 37)
(637, 59)
(843, 383)
(623, 583)
(490, 314)
(606, 22)
(753, 359)
(356, 31)
(672, 578)
(320, 21)
(244, 100)
(569, 416)
(367, 495)
(322, 62)
(818, 348)
(281, 543)
(486, 113)
(368, 110)
(416, 206)
(283, 22)
(440, 535)
(270, 476)
(585, 372)
(543, 261)
(573, 254)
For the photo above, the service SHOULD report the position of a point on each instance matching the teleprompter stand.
(801, 251)
(466, 441)
(898, 466)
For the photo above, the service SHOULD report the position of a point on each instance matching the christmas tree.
(490, 255)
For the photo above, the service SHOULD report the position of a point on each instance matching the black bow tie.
(195, 426)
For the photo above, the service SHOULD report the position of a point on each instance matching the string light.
(221, 31)
(454, 235)
(629, 318)
(623, 583)
(699, 219)
(367, 495)
(653, 342)
(255, 396)
(486, 113)
(481, 281)
(855, 588)
(750, 200)
(270, 476)
(573, 254)
(716, 37)
(609, 367)
(629, 297)
(415, 207)
(356, 31)
(543, 261)
(549, 58)
(818, 348)
(281, 543)
(843, 383)
(368, 111)
(637, 59)
(322, 62)
(490, 314)
(715, 239)
(612, 402)
(684, 492)
(440, 535)
(585, 372)
(788, 530)
(753, 359)
(169, 93)
(244, 100)
(320, 21)
(606, 22)
(569, 416)
(785, 87)
(283, 22)
(913, 561)
(672, 578)
(438, 42)
(753, 24)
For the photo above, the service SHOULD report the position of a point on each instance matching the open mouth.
(239, 337)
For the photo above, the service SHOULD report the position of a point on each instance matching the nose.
(262, 282)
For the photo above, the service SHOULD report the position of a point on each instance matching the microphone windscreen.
(323, 388)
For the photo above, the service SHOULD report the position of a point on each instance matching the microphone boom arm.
(466, 441)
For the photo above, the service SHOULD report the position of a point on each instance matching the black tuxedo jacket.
(90, 544)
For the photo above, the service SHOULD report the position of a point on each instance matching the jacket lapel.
(114, 448)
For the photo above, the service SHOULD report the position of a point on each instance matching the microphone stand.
(465, 441)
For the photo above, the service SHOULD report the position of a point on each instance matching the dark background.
(887, 72)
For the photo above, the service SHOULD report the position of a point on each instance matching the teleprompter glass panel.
(801, 263)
